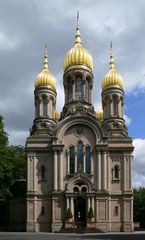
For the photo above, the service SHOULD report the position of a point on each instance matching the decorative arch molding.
(76, 180)
(73, 121)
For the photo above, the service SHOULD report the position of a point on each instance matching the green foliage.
(90, 213)
(12, 164)
(3, 134)
(69, 214)
(139, 206)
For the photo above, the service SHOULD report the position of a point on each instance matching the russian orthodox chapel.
(79, 161)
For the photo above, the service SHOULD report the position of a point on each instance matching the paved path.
(52, 236)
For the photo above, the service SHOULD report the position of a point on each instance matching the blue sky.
(25, 26)
(135, 110)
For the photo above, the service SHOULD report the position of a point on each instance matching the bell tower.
(45, 97)
(113, 100)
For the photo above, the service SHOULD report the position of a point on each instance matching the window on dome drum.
(87, 91)
(42, 172)
(80, 157)
(44, 107)
(115, 105)
(88, 160)
(69, 90)
(78, 95)
(72, 159)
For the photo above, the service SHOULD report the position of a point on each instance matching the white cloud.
(128, 120)
(139, 162)
(60, 93)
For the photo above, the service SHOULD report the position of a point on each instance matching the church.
(79, 161)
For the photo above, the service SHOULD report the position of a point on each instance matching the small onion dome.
(56, 116)
(112, 78)
(45, 78)
(78, 55)
(100, 115)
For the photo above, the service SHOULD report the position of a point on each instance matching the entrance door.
(80, 211)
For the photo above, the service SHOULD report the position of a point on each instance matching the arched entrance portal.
(80, 211)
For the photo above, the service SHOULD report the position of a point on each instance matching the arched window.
(115, 105)
(72, 159)
(106, 104)
(76, 189)
(80, 157)
(116, 172)
(88, 160)
(84, 189)
(42, 172)
(78, 89)
(87, 91)
(116, 210)
(44, 106)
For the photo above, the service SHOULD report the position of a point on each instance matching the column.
(61, 170)
(119, 108)
(41, 107)
(84, 163)
(99, 171)
(111, 113)
(35, 214)
(130, 168)
(108, 174)
(72, 206)
(104, 171)
(68, 162)
(34, 173)
(67, 203)
(89, 203)
(93, 205)
(90, 92)
(75, 163)
(55, 170)
(47, 107)
(124, 173)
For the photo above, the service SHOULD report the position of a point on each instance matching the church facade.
(79, 162)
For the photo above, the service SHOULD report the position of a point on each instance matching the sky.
(25, 27)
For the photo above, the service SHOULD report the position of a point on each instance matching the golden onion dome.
(78, 55)
(100, 114)
(45, 78)
(112, 78)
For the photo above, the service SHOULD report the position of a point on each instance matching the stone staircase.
(80, 230)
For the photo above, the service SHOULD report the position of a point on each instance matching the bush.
(90, 213)
(69, 214)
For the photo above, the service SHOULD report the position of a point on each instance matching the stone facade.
(79, 161)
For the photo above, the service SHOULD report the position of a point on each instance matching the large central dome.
(78, 55)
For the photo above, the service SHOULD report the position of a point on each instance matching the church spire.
(78, 34)
(111, 64)
(46, 57)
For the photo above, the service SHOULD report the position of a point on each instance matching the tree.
(12, 164)
(139, 206)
